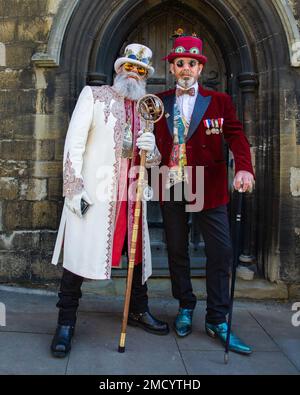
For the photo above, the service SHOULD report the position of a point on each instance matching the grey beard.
(186, 82)
(130, 88)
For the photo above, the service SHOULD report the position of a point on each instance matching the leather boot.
(149, 323)
(183, 322)
(61, 343)
(235, 343)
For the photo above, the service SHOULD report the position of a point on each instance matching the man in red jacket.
(190, 136)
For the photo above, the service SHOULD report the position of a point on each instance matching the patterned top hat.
(137, 54)
(186, 47)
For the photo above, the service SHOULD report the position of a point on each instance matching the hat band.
(143, 60)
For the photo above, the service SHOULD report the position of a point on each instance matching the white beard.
(186, 82)
(130, 88)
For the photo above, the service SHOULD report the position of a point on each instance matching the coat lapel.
(169, 102)
(201, 105)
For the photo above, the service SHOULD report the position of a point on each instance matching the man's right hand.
(243, 181)
(74, 204)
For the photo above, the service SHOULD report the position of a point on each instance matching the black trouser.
(70, 293)
(214, 227)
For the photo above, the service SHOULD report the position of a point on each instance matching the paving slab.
(277, 323)
(96, 343)
(31, 321)
(259, 363)
(24, 354)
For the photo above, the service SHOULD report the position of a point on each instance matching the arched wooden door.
(155, 31)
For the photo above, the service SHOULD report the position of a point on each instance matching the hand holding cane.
(151, 110)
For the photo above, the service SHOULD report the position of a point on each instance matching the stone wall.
(290, 180)
(290, 168)
(32, 130)
(295, 7)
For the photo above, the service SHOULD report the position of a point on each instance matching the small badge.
(148, 193)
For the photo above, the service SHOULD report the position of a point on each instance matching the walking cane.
(238, 219)
(151, 109)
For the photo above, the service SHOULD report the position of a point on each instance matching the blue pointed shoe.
(235, 344)
(183, 322)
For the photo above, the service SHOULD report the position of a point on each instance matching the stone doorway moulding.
(83, 30)
(52, 58)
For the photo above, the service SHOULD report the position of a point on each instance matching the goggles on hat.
(141, 70)
(193, 51)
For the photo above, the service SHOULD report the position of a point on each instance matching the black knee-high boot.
(69, 295)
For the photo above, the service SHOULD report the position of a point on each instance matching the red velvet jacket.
(207, 150)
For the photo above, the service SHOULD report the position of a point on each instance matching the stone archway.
(66, 10)
(251, 38)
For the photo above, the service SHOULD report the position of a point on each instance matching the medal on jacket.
(207, 124)
(215, 129)
(214, 126)
(221, 123)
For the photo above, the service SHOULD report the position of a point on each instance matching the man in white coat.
(101, 156)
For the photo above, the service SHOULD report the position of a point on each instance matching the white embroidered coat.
(94, 140)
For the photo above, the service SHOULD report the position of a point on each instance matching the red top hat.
(187, 47)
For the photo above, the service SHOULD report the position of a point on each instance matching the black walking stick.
(238, 219)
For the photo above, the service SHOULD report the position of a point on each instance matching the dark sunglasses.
(192, 63)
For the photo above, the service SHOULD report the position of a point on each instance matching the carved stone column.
(248, 83)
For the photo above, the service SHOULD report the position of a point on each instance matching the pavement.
(31, 320)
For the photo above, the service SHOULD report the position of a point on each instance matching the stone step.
(160, 266)
(159, 249)
(257, 289)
